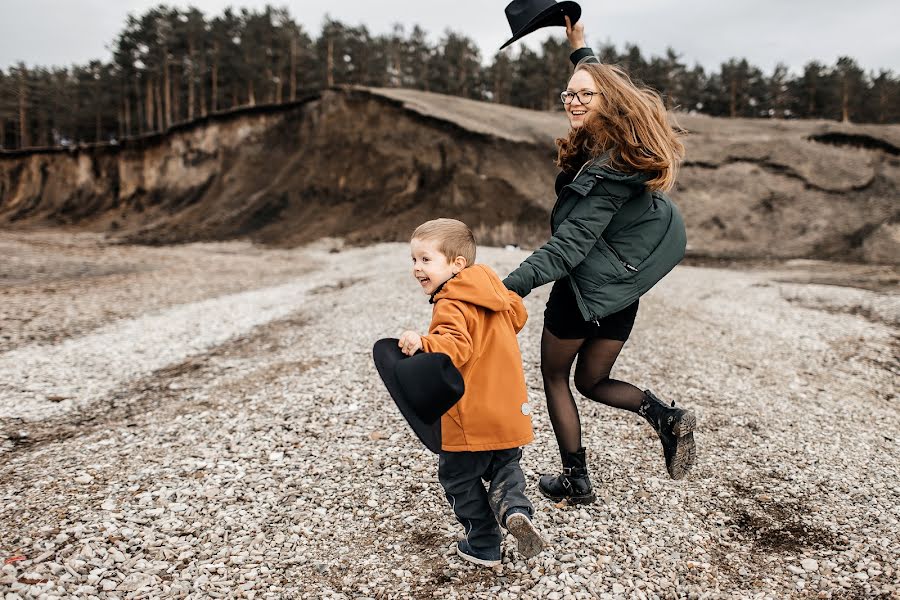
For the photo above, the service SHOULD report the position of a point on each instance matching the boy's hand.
(410, 342)
(575, 33)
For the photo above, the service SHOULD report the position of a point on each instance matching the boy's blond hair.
(454, 238)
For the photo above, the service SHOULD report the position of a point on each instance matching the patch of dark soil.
(334, 287)
(858, 592)
(876, 278)
(427, 539)
(775, 526)
(781, 531)
(438, 574)
(768, 166)
(19, 274)
(857, 238)
(848, 309)
(887, 280)
(855, 141)
(269, 210)
(701, 259)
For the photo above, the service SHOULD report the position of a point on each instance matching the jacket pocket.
(617, 266)
(603, 269)
(455, 415)
(628, 266)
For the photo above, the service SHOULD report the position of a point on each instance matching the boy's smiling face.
(430, 267)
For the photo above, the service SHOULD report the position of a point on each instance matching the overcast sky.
(63, 32)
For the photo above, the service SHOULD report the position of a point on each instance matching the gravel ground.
(205, 421)
(55, 286)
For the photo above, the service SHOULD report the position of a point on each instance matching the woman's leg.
(675, 426)
(573, 485)
(595, 361)
(557, 356)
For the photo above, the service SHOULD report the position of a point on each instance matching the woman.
(614, 235)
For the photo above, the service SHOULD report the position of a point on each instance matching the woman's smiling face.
(577, 110)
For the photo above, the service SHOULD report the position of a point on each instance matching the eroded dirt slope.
(370, 164)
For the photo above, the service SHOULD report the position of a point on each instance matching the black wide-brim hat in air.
(525, 16)
(424, 386)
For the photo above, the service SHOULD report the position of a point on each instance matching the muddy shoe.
(530, 541)
(484, 558)
(573, 485)
(675, 428)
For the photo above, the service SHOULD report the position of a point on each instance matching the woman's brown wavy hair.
(629, 122)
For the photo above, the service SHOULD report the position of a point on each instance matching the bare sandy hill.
(370, 164)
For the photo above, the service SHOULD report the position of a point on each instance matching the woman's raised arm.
(580, 51)
(575, 33)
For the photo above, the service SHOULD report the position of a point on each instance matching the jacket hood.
(603, 168)
(600, 167)
(477, 285)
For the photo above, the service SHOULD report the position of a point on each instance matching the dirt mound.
(370, 164)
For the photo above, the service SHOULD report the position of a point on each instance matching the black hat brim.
(552, 16)
(387, 354)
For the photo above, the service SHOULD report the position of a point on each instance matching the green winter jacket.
(612, 238)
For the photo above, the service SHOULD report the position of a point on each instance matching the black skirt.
(563, 319)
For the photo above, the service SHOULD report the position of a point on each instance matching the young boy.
(475, 321)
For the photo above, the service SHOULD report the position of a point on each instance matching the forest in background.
(173, 65)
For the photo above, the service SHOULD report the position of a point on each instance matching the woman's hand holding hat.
(575, 33)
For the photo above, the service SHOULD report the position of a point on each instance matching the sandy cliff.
(370, 164)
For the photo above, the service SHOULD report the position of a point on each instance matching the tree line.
(172, 65)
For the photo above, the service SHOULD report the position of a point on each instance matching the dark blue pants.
(481, 511)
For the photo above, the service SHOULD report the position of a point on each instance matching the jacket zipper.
(556, 205)
(582, 169)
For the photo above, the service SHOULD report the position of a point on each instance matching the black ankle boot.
(675, 427)
(573, 484)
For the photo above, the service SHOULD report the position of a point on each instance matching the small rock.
(809, 565)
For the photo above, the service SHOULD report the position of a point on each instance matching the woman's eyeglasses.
(584, 96)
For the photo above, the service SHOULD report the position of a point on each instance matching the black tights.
(595, 361)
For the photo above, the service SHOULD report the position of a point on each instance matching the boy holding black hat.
(475, 321)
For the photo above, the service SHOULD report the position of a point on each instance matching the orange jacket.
(475, 322)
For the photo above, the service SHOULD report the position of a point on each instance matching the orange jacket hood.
(477, 285)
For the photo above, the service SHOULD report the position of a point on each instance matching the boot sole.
(530, 541)
(685, 448)
(686, 424)
(586, 499)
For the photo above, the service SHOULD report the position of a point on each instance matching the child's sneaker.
(485, 558)
(530, 540)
